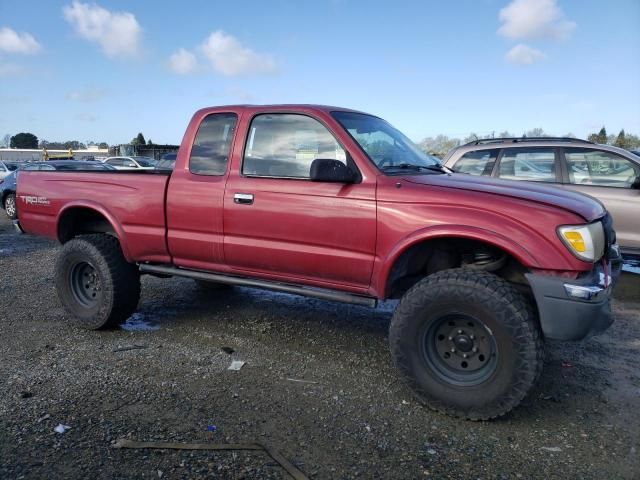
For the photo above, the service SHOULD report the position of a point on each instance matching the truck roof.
(296, 107)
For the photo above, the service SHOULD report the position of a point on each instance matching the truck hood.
(583, 205)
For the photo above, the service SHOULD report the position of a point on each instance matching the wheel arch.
(5, 194)
(419, 243)
(80, 218)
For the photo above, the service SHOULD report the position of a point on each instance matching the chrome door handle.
(243, 198)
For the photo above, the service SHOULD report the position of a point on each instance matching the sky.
(76, 70)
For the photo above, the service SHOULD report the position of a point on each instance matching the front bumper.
(577, 308)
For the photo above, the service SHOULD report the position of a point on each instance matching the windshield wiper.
(418, 168)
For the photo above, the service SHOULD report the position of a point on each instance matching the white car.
(6, 168)
(132, 163)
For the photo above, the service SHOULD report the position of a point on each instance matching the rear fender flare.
(119, 232)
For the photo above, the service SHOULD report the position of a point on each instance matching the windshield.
(386, 146)
(11, 166)
(145, 161)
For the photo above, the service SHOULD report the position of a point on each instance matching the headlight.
(585, 241)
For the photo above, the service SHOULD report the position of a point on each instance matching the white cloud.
(229, 57)
(534, 19)
(522, 54)
(11, 70)
(86, 95)
(118, 33)
(14, 42)
(183, 62)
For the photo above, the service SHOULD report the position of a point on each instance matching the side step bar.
(324, 294)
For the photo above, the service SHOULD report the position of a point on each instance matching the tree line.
(29, 140)
(440, 145)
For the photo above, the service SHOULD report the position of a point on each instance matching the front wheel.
(95, 284)
(467, 343)
(10, 206)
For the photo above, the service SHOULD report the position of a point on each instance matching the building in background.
(39, 154)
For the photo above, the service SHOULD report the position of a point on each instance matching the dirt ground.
(318, 386)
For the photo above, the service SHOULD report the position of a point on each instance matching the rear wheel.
(10, 206)
(467, 343)
(95, 284)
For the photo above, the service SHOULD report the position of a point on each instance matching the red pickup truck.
(337, 204)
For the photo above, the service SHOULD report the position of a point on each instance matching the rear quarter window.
(212, 144)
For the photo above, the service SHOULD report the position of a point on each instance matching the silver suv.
(610, 174)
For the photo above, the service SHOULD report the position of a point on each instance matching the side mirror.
(328, 170)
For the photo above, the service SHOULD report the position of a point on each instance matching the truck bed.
(133, 202)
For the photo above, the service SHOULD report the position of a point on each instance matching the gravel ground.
(318, 386)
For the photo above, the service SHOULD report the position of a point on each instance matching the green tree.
(73, 145)
(439, 145)
(103, 145)
(633, 141)
(536, 132)
(139, 140)
(149, 142)
(602, 136)
(620, 140)
(24, 140)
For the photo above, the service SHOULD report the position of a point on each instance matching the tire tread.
(522, 327)
(124, 277)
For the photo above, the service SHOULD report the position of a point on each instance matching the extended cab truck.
(337, 204)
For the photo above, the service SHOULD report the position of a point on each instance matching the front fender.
(384, 264)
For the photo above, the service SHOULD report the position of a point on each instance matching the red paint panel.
(133, 202)
(318, 231)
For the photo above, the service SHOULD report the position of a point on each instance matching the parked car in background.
(167, 162)
(8, 194)
(7, 167)
(67, 165)
(610, 174)
(8, 185)
(132, 163)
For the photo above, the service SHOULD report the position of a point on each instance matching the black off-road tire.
(453, 299)
(10, 206)
(96, 285)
